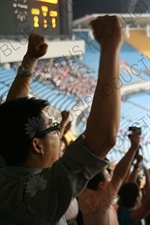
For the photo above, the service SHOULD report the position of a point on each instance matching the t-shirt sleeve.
(49, 193)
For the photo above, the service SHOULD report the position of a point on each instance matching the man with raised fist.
(36, 187)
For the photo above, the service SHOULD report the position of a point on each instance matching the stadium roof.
(134, 21)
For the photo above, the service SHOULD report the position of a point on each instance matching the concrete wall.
(13, 51)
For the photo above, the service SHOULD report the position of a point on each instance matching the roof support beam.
(127, 31)
(148, 30)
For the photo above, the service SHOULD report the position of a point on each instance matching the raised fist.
(36, 46)
(65, 124)
(107, 31)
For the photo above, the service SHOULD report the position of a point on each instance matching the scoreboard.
(46, 17)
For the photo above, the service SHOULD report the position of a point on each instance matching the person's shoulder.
(124, 211)
(87, 200)
(124, 216)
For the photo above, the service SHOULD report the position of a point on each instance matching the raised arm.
(147, 185)
(124, 165)
(21, 85)
(65, 124)
(133, 175)
(103, 122)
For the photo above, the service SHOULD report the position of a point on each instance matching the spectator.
(136, 197)
(97, 201)
(66, 77)
(39, 186)
(131, 211)
(146, 190)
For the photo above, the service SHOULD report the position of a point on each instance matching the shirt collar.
(16, 170)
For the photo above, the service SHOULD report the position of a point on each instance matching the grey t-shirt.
(31, 196)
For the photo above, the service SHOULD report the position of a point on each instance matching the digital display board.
(46, 17)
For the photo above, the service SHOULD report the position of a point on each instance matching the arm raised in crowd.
(147, 185)
(132, 177)
(134, 174)
(104, 119)
(21, 85)
(65, 124)
(124, 165)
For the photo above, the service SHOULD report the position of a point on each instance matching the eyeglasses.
(56, 126)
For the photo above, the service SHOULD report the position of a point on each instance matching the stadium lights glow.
(49, 1)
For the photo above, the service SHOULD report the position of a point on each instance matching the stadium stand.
(139, 41)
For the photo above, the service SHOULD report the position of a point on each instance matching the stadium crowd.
(47, 180)
(67, 76)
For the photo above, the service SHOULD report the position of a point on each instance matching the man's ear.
(37, 145)
(101, 185)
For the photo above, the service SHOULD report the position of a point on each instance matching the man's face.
(51, 142)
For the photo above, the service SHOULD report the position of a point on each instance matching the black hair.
(14, 140)
(93, 183)
(128, 194)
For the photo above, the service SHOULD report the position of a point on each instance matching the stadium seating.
(91, 58)
(131, 56)
(142, 43)
(141, 99)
